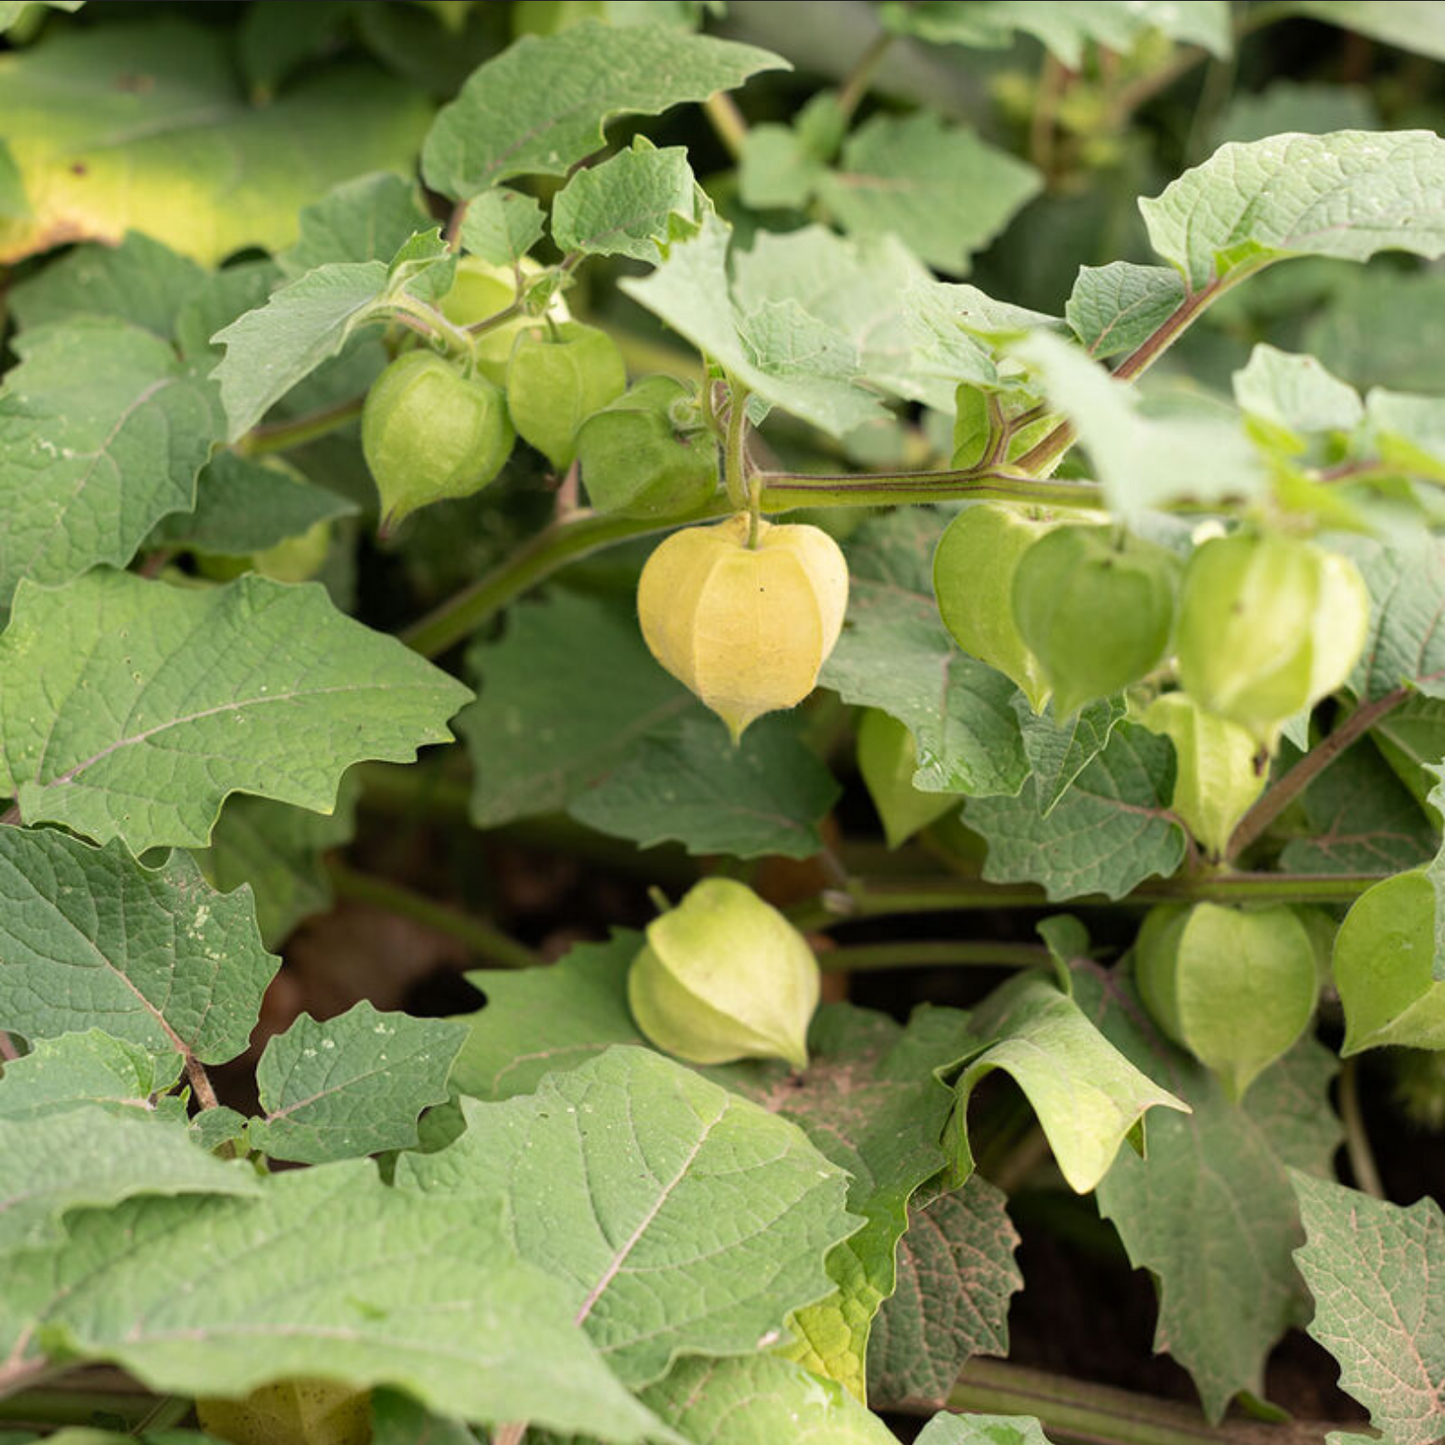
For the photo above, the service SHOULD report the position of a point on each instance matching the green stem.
(1357, 1140)
(855, 87)
(1074, 1412)
(489, 942)
(1288, 787)
(281, 436)
(76, 1406)
(434, 324)
(727, 121)
(890, 897)
(861, 957)
(586, 532)
(735, 453)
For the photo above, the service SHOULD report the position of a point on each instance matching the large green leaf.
(79, 1070)
(1346, 195)
(1377, 1273)
(1114, 308)
(951, 1429)
(778, 349)
(870, 1103)
(956, 1275)
(350, 1085)
(328, 1273)
(1111, 830)
(540, 106)
(762, 1401)
(896, 654)
(113, 127)
(90, 937)
(1064, 26)
(1208, 1209)
(1407, 590)
(677, 1216)
(141, 281)
(369, 218)
(84, 483)
(939, 188)
(1059, 751)
(93, 1156)
(689, 782)
(1088, 1096)
(561, 698)
(252, 687)
(537, 1020)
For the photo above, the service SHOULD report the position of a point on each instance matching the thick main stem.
(1074, 1412)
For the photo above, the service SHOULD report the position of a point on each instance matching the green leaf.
(539, 1020)
(1382, 966)
(141, 281)
(679, 1218)
(92, 1156)
(1359, 818)
(85, 483)
(1063, 27)
(1087, 1095)
(762, 1401)
(690, 782)
(1370, 332)
(366, 219)
(562, 697)
(1407, 24)
(957, 330)
(115, 126)
(1295, 394)
(1208, 1210)
(244, 506)
(90, 1069)
(631, 205)
(691, 292)
(1144, 461)
(856, 286)
(1408, 431)
(89, 936)
(542, 104)
(221, 298)
(896, 654)
(1407, 590)
(1059, 752)
(1348, 195)
(950, 1429)
(1377, 1273)
(870, 1103)
(251, 687)
(327, 1273)
(777, 170)
(502, 225)
(13, 204)
(956, 1274)
(350, 1085)
(278, 850)
(937, 187)
(1111, 830)
(1117, 307)
(301, 325)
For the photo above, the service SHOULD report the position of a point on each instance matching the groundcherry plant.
(387, 379)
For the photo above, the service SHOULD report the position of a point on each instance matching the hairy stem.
(587, 532)
(855, 87)
(1357, 1141)
(727, 122)
(1287, 788)
(890, 897)
(1074, 1412)
(200, 1082)
(861, 957)
(491, 943)
(281, 436)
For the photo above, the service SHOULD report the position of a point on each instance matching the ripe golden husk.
(746, 629)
